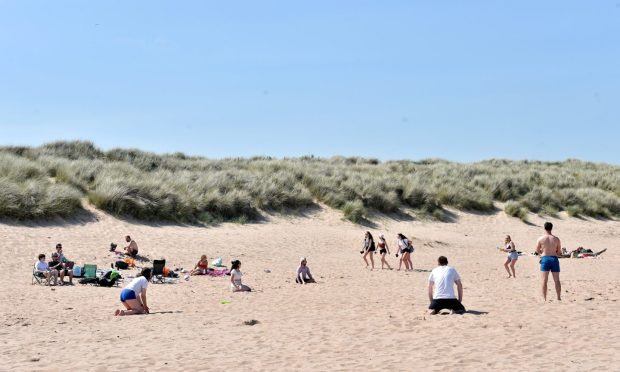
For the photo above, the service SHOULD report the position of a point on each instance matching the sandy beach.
(353, 319)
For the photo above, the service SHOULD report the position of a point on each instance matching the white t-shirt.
(403, 244)
(41, 266)
(137, 285)
(443, 278)
(236, 276)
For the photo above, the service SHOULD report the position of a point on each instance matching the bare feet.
(117, 312)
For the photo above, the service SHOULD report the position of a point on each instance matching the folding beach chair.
(158, 271)
(38, 278)
(90, 274)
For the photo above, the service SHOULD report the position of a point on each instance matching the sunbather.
(42, 268)
(201, 267)
(384, 250)
(132, 248)
(133, 296)
(235, 278)
(303, 273)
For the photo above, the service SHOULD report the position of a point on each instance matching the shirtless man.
(132, 248)
(549, 248)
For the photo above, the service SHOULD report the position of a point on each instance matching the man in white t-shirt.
(443, 278)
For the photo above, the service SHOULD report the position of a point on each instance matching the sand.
(353, 319)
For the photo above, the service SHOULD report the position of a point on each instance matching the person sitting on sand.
(133, 296)
(549, 248)
(383, 251)
(235, 278)
(132, 248)
(512, 258)
(42, 268)
(66, 264)
(369, 249)
(303, 273)
(201, 267)
(441, 289)
(56, 265)
(404, 245)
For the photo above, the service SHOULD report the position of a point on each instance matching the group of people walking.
(369, 249)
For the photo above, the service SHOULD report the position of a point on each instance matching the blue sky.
(388, 79)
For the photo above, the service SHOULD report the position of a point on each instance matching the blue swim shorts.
(549, 263)
(127, 294)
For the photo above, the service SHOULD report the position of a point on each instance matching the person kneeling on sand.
(235, 278)
(303, 273)
(42, 269)
(443, 278)
(133, 296)
(201, 267)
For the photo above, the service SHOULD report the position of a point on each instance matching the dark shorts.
(549, 263)
(371, 249)
(383, 251)
(447, 303)
(127, 294)
(133, 254)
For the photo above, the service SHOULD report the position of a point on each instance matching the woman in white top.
(235, 278)
(133, 296)
(512, 258)
(303, 273)
(405, 248)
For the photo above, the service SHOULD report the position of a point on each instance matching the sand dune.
(354, 319)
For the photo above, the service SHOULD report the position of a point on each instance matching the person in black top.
(369, 249)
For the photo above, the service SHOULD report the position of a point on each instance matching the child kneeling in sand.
(133, 296)
(235, 278)
(303, 272)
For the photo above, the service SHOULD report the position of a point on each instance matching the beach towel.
(223, 272)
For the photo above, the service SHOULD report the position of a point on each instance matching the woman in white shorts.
(512, 258)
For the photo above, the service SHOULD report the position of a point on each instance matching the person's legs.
(70, 272)
(384, 261)
(558, 285)
(372, 259)
(400, 262)
(410, 262)
(54, 274)
(512, 267)
(406, 259)
(506, 266)
(544, 275)
(245, 288)
(48, 276)
(365, 260)
(134, 307)
(456, 307)
(61, 274)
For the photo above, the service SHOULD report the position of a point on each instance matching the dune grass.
(51, 179)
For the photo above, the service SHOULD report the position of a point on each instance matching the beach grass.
(50, 180)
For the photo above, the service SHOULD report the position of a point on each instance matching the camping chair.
(89, 274)
(38, 278)
(158, 271)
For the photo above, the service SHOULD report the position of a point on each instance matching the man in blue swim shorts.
(549, 248)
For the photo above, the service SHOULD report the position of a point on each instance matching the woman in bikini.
(383, 251)
(512, 258)
(201, 267)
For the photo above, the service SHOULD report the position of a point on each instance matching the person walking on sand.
(369, 249)
(549, 248)
(133, 296)
(512, 258)
(441, 289)
(383, 251)
(404, 245)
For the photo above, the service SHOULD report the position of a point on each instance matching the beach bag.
(121, 265)
(217, 262)
(77, 271)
